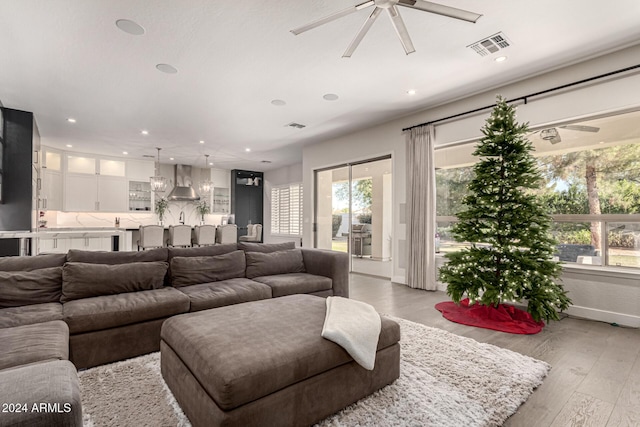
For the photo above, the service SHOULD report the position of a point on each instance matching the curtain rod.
(525, 97)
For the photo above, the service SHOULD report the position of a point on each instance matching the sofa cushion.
(295, 283)
(227, 292)
(28, 263)
(280, 262)
(53, 383)
(29, 314)
(109, 311)
(266, 247)
(202, 251)
(34, 343)
(84, 280)
(30, 287)
(117, 257)
(204, 269)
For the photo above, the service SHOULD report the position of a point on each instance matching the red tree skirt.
(505, 318)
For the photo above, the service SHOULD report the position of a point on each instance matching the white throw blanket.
(355, 326)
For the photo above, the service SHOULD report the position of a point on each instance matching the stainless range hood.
(183, 190)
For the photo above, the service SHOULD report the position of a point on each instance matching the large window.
(286, 210)
(591, 188)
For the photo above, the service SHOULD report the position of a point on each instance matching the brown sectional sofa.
(113, 304)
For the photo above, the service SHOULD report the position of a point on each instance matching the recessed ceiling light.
(71, 120)
(166, 68)
(247, 149)
(171, 158)
(278, 102)
(601, 142)
(411, 92)
(145, 132)
(500, 59)
(201, 142)
(330, 97)
(69, 146)
(130, 27)
(124, 152)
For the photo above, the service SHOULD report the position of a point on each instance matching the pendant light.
(206, 185)
(158, 183)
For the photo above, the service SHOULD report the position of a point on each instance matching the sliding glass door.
(353, 208)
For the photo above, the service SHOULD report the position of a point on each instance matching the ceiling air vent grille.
(491, 44)
(295, 125)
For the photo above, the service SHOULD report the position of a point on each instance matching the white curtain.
(421, 209)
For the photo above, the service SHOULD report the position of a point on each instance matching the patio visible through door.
(353, 213)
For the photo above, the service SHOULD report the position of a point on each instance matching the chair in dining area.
(151, 236)
(179, 236)
(227, 234)
(254, 233)
(204, 235)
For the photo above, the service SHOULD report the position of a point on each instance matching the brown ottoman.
(265, 363)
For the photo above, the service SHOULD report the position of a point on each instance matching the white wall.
(615, 94)
(286, 175)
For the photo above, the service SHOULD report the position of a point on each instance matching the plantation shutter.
(286, 210)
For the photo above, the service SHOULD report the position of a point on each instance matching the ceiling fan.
(553, 136)
(394, 15)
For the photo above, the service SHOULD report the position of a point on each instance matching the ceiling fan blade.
(582, 128)
(440, 9)
(401, 29)
(365, 28)
(332, 17)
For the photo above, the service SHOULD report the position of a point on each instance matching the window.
(592, 189)
(286, 210)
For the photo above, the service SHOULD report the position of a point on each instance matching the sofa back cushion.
(28, 263)
(202, 251)
(18, 288)
(187, 271)
(268, 264)
(266, 247)
(112, 258)
(85, 280)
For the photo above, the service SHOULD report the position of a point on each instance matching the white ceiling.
(66, 58)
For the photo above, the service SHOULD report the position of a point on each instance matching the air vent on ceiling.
(295, 125)
(265, 161)
(491, 44)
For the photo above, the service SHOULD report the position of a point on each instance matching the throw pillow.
(84, 280)
(117, 257)
(29, 263)
(18, 288)
(187, 271)
(266, 247)
(280, 262)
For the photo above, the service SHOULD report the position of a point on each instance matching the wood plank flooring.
(595, 375)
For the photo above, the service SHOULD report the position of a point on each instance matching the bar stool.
(254, 233)
(180, 236)
(204, 235)
(227, 233)
(151, 236)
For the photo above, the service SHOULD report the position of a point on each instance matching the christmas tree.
(510, 257)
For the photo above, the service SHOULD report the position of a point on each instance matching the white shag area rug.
(445, 380)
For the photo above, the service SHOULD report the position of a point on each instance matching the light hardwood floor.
(595, 375)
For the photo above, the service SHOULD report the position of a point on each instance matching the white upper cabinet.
(140, 170)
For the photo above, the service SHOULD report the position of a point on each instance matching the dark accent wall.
(246, 200)
(17, 185)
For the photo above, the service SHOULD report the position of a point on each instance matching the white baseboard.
(399, 279)
(604, 316)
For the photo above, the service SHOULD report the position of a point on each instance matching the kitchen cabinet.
(140, 170)
(221, 197)
(51, 190)
(61, 245)
(139, 196)
(95, 185)
(89, 193)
